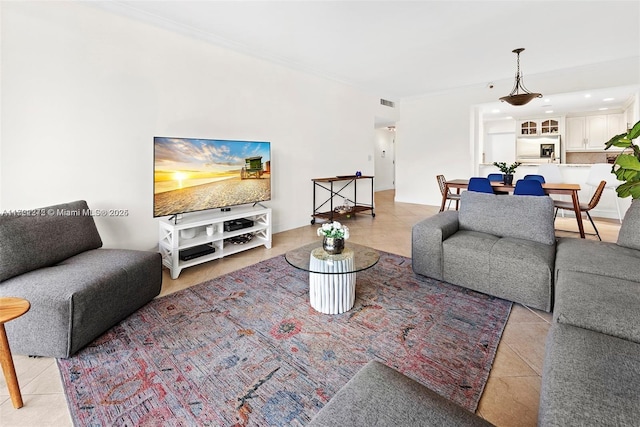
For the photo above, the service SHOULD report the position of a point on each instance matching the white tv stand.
(171, 242)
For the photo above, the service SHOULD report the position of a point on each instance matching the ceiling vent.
(387, 103)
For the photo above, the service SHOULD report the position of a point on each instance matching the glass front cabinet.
(549, 126)
(538, 127)
(529, 128)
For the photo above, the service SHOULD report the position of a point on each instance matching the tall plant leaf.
(631, 188)
(618, 141)
(628, 161)
(627, 166)
(635, 131)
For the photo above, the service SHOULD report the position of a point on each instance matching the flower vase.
(333, 245)
(508, 179)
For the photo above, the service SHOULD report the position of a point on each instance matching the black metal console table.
(343, 182)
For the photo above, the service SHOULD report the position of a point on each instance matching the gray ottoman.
(381, 396)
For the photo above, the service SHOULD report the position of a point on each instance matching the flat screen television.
(197, 174)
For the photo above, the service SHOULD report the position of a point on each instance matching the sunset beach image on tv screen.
(198, 174)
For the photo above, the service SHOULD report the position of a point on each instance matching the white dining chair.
(602, 172)
(552, 175)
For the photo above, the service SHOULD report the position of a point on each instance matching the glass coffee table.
(332, 278)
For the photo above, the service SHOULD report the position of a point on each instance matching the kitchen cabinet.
(589, 133)
(616, 124)
(575, 133)
(528, 128)
(549, 126)
(538, 127)
(596, 133)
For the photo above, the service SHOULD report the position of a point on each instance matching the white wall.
(1, 208)
(433, 137)
(497, 143)
(499, 147)
(84, 91)
(439, 133)
(384, 159)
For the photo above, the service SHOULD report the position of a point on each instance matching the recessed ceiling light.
(588, 95)
(547, 100)
(603, 108)
(495, 110)
(608, 99)
(549, 111)
(509, 117)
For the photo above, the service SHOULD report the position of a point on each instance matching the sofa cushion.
(381, 396)
(466, 259)
(589, 379)
(629, 235)
(522, 271)
(514, 269)
(52, 234)
(602, 258)
(602, 304)
(75, 301)
(522, 217)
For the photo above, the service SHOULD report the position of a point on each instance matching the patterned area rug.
(247, 348)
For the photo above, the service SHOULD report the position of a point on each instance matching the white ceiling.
(396, 49)
(554, 105)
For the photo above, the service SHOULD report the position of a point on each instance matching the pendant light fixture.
(516, 97)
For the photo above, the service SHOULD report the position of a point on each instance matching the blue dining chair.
(480, 185)
(497, 177)
(528, 187)
(536, 177)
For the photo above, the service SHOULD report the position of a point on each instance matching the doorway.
(385, 158)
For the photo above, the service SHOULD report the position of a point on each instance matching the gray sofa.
(591, 373)
(500, 245)
(381, 396)
(52, 258)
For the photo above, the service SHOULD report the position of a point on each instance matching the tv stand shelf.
(191, 231)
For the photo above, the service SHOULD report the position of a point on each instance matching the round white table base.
(333, 292)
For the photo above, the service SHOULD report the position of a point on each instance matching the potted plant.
(334, 234)
(507, 171)
(627, 164)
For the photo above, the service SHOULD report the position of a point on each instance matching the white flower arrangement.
(334, 229)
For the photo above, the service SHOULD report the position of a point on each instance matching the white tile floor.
(509, 399)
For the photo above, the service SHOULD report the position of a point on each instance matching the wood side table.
(10, 308)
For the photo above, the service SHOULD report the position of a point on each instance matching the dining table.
(549, 188)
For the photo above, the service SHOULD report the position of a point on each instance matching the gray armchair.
(500, 245)
(76, 289)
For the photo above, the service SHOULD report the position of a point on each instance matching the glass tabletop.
(363, 257)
